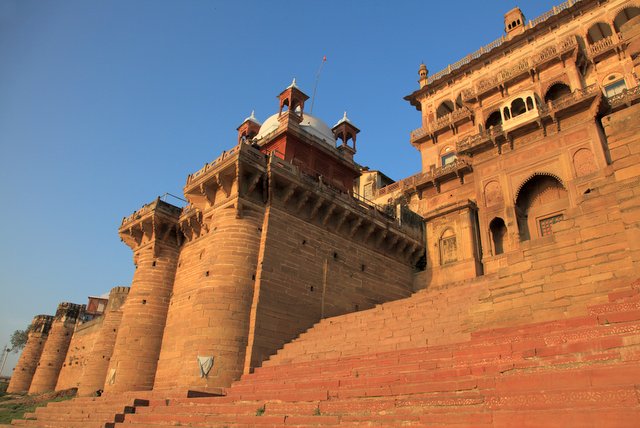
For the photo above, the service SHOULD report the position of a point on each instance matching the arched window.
(506, 113)
(541, 202)
(517, 107)
(459, 101)
(625, 15)
(494, 119)
(448, 247)
(598, 31)
(529, 103)
(498, 231)
(444, 108)
(556, 91)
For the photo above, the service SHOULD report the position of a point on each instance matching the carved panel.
(448, 247)
(584, 163)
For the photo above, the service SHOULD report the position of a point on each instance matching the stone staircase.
(417, 362)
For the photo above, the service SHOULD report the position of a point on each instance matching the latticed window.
(545, 224)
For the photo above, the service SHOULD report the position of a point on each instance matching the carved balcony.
(603, 46)
(480, 141)
(574, 99)
(626, 98)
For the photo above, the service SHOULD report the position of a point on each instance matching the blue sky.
(104, 105)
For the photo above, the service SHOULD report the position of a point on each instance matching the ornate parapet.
(218, 181)
(626, 98)
(456, 169)
(388, 228)
(156, 221)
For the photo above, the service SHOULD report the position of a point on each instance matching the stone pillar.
(55, 348)
(153, 235)
(210, 309)
(95, 371)
(26, 367)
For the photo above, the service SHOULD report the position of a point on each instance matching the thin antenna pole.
(315, 87)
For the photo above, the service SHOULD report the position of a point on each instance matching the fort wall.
(152, 234)
(308, 273)
(30, 356)
(209, 311)
(55, 348)
(79, 353)
(95, 369)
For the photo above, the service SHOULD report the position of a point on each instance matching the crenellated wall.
(26, 367)
(55, 348)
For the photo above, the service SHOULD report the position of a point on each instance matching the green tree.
(19, 339)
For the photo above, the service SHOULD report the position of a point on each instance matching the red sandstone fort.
(498, 287)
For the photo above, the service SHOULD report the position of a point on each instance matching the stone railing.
(217, 161)
(139, 213)
(477, 139)
(496, 43)
(157, 204)
(417, 134)
(602, 45)
(627, 97)
(574, 97)
(441, 122)
(424, 177)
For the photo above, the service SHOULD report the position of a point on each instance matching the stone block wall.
(307, 273)
(95, 370)
(30, 356)
(55, 348)
(79, 353)
(212, 295)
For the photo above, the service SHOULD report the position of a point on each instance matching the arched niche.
(624, 16)
(556, 91)
(540, 202)
(498, 230)
(448, 247)
(444, 108)
(494, 119)
(598, 31)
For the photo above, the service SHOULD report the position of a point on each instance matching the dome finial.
(293, 84)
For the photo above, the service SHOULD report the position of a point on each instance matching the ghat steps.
(581, 371)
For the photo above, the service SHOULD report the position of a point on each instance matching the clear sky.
(105, 105)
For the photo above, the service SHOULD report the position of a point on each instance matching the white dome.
(310, 124)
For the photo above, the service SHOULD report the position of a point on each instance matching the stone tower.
(152, 234)
(26, 367)
(55, 348)
(94, 373)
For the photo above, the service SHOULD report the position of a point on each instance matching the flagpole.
(315, 86)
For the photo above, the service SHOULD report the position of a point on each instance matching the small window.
(615, 88)
(545, 224)
(529, 103)
(448, 159)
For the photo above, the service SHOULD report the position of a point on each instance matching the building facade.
(531, 135)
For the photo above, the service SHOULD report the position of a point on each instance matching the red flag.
(324, 58)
